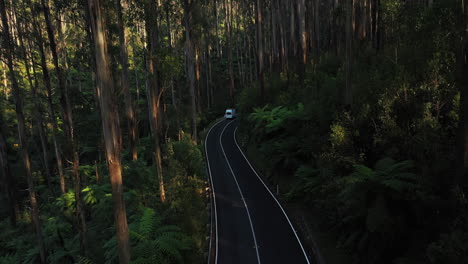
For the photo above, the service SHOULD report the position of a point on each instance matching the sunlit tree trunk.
(5, 81)
(302, 30)
(154, 91)
(22, 132)
(110, 125)
(218, 45)
(282, 33)
(129, 109)
(197, 79)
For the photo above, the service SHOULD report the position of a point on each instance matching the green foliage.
(367, 198)
(187, 155)
(380, 171)
(154, 242)
(274, 126)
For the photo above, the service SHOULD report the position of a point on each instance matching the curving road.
(250, 225)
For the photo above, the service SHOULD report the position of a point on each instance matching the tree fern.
(152, 241)
(366, 201)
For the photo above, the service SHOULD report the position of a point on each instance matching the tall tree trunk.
(463, 170)
(282, 33)
(207, 76)
(218, 45)
(37, 108)
(40, 130)
(110, 126)
(258, 23)
(53, 119)
(376, 20)
(302, 30)
(190, 64)
(168, 22)
(154, 91)
(5, 80)
(317, 30)
(7, 178)
(46, 79)
(129, 109)
(349, 38)
(302, 38)
(363, 23)
(292, 31)
(69, 130)
(22, 133)
(197, 79)
(228, 10)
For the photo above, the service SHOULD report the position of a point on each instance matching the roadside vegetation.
(378, 171)
(355, 109)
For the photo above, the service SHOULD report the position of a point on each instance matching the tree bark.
(5, 81)
(302, 30)
(37, 107)
(53, 120)
(349, 38)
(110, 125)
(22, 133)
(228, 10)
(69, 129)
(317, 29)
(190, 65)
(463, 169)
(129, 109)
(7, 178)
(218, 45)
(154, 91)
(258, 23)
(375, 29)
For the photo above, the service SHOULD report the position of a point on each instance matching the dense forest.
(356, 110)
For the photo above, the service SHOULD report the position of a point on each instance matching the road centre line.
(266, 187)
(240, 191)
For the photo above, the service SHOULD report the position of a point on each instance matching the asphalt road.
(250, 224)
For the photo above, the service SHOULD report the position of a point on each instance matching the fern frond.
(84, 260)
(147, 222)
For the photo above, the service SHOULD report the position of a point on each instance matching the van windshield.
(228, 111)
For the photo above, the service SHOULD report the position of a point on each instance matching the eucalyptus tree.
(110, 125)
(67, 118)
(154, 90)
(23, 140)
(132, 123)
(190, 64)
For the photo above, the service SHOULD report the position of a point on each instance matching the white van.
(230, 113)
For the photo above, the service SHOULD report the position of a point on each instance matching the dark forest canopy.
(356, 108)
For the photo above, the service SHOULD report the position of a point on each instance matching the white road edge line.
(266, 187)
(214, 197)
(240, 191)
